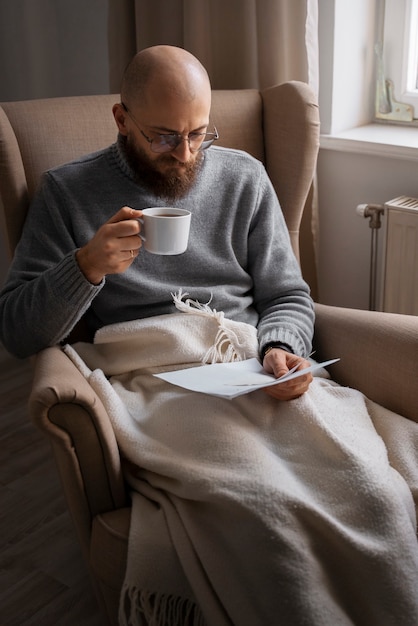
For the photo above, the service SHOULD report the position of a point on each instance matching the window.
(399, 61)
(410, 69)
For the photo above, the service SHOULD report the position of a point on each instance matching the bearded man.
(244, 512)
(80, 253)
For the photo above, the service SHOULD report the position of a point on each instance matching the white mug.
(165, 230)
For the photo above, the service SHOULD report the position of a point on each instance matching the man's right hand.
(113, 248)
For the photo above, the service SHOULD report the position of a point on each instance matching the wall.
(348, 177)
(345, 180)
(346, 62)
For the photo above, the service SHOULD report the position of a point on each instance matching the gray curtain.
(53, 48)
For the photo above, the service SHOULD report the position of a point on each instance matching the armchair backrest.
(279, 126)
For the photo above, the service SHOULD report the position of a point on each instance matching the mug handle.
(139, 234)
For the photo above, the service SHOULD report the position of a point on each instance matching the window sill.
(384, 140)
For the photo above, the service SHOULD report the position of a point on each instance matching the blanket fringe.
(145, 608)
(223, 350)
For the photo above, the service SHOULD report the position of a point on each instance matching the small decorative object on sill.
(386, 107)
(399, 111)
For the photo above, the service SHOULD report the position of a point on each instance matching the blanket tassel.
(223, 350)
(145, 608)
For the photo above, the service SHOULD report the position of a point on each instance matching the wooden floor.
(43, 581)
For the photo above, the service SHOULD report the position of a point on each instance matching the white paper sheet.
(230, 380)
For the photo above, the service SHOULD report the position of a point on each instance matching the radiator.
(399, 292)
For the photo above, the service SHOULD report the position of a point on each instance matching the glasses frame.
(175, 138)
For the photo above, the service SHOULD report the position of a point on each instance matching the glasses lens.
(197, 141)
(206, 143)
(207, 140)
(165, 143)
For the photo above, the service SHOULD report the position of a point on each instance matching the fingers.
(125, 213)
(291, 389)
(114, 246)
(123, 230)
(276, 362)
(279, 362)
(285, 392)
(124, 225)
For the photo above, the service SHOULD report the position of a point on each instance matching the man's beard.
(172, 183)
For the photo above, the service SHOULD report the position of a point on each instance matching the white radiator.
(400, 257)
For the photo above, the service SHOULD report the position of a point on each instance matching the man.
(80, 253)
(244, 512)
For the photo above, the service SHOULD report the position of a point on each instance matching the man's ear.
(120, 114)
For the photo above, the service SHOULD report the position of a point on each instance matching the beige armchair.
(379, 352)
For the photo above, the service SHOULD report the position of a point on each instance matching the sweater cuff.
(71, 284)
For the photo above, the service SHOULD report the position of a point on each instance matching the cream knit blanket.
(253, 512)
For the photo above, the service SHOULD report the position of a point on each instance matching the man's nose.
(182, 151)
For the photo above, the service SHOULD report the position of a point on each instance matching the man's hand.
(113, 248)
(279, 362)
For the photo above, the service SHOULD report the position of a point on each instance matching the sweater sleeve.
(281, 296)
(45, 293)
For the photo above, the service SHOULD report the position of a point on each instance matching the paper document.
(230, 380)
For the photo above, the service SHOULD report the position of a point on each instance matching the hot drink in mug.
(165, 230)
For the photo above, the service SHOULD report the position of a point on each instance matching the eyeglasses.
(168, 142)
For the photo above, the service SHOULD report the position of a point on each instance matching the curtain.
(242, 43)
(53, 48)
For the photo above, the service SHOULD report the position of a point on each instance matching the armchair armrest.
(378, 352)
(64, 406)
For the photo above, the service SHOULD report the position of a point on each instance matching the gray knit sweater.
(239, 255)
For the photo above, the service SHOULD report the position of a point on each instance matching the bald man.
(245, 512)
(80, 253)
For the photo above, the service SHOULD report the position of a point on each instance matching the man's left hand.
(279, 362)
